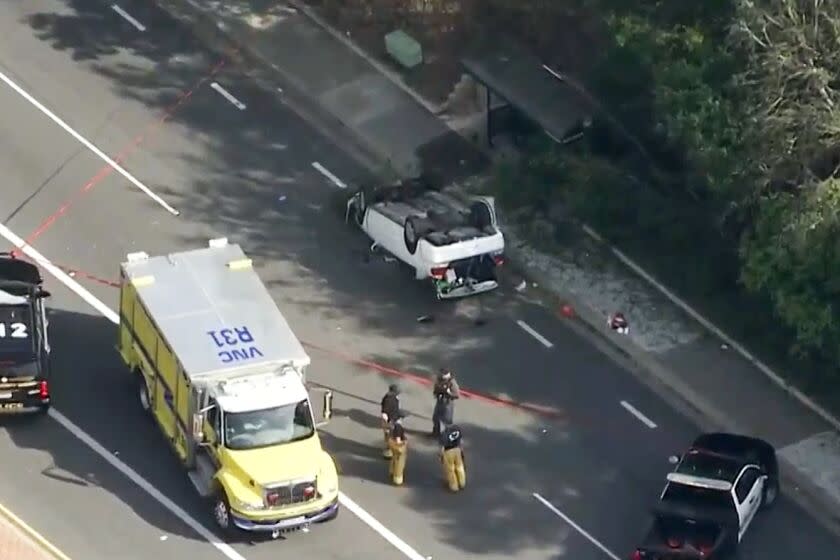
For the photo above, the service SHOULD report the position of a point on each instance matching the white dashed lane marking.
(637, 413)
(128, 17)
(228, 95)
(530, 330)
(326, 173)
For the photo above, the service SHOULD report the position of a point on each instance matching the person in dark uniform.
(452, 458)
(389, 410)
(398, 444)
(445, 391)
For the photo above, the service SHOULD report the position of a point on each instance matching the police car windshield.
(270, 426)
(16, 330)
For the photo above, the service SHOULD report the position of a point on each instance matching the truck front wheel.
(221, 514)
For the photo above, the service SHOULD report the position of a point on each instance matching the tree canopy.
(739, 102)
(791, 52)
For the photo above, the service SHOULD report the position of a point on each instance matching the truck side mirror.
(198, 427)
(44, 294)
(327, 412)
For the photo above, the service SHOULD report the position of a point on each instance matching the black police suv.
(711, 499)
(24, 346)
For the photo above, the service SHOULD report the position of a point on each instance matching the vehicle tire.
(771, 493)
(42, 411)
(143, 393)
(480, 216)
(413, 232)
(221, 514)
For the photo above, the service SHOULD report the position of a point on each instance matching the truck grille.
(289, 494)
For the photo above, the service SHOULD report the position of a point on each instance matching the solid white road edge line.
(540, 338)
(59, 274)
(147, 486)
(112, 316)
(326, 173)
(228, 95)
(637, 413)
(128, 17)
(86, 143)
(575, 526)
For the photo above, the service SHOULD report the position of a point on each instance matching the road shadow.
(497, 512)
(91, 387)
(318, 264)
(248, 152)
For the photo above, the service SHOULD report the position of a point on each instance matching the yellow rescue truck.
(222, 374)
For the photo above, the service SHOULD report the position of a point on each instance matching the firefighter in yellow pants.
(389, 411)
(452, 458)
(398, 444)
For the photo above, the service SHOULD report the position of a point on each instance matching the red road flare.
(73, 272)
(419, 379)
(540, 410)
(150, 131)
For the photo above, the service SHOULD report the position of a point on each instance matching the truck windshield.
(270, 426)
(16, 336)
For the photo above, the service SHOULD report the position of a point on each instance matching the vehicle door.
(42, 326)
(45, 325)
(748, 488)
(213, 430)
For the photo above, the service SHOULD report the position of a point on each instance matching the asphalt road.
(247, 173)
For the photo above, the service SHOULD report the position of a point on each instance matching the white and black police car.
(711, 498)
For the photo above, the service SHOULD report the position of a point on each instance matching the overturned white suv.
(452, 240)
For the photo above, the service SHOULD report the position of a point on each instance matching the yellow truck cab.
(223, 376)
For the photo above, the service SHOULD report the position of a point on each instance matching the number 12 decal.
(14, 330)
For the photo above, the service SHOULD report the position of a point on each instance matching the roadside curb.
(392, 76)
(216, 35)
(777, 379)
(30, 535)
(377, 160)
(667, 385)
